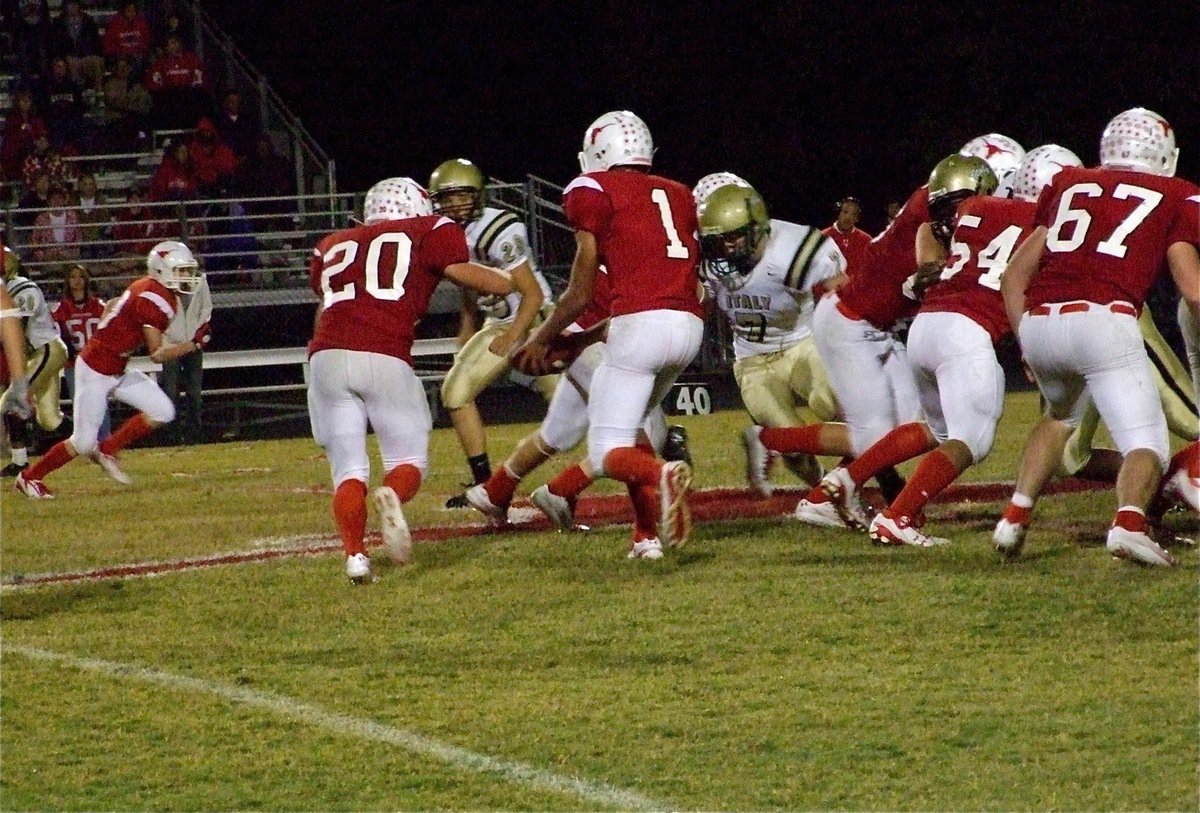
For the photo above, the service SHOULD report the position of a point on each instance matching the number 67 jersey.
(375, 282)
(1107, 233)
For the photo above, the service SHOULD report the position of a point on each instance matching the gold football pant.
(776, 387)
(476, 367)
(43, 369)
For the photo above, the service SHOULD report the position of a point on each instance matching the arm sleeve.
(588, 209)
(445, 244)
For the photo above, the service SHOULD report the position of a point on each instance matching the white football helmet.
(171, 263)
(396, 199)
(1141, 140)
(616, 139)
(1003, 155)
(714, 181)
(1038, 168)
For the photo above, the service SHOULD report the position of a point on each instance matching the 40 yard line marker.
(519, 773)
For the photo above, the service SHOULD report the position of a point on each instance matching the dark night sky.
(807, 101)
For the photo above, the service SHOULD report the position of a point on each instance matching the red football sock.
(1131, 518)
(58, 456)
(501, 486)
(793, 439)
(129, 433)
(570, 482)
(932, 476)
(1188, 459)
(633, 465)
(902, 443)
(405, 479)
(816, 495)
(1017, 514)
(350, 514)
(645, 511)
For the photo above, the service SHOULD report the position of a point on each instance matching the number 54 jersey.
(772, 309)
(646, 233)
(375, 282)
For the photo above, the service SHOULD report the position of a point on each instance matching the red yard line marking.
(708, 505)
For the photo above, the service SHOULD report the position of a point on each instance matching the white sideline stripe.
(519, 773)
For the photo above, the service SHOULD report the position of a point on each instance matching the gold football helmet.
(12, 263)
(458, 189)
(956, 178)
(734, 227)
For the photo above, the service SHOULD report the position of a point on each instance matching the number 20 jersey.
(646, 234)
(375, 282)
(773, 309)
(1108, 232)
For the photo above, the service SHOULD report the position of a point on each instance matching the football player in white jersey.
(496, 238)
(45, 360)
(761, 273)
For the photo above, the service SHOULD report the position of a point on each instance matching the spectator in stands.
(75, 38)
(177, 82)
(175, 178)
(56, 233)
(45, 158)
(62, 99)
(31, 40)
(37, 196)
(213, 162)
(264, 174)
(237, 128)
(231, 246)
(136, 230)
(844, 231)
(128, 35)
(891, 210)
(21, 128)
(95, 221)
(127, 106)
(170, 18)
(192, 322)
(77, 315)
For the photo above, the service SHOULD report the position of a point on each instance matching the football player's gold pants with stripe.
(776, 386)
(44, 370)
(476, 367)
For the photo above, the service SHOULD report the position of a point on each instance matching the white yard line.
(519, 773)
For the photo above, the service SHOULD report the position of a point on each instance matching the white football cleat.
(821, 514)
(358, 569)
(843, 492)
(885, 530)
(557, 508)
(1183, 489)
(1009, 537)
(675, 517)
(33, 489)
(645, 549)
(758, 461)
(109, 464)
(397, 539)
(477, 498)
(1139, 547)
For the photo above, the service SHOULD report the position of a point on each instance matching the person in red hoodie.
(175, 178)
(22, 127)
(213, 162)
(177, 82)
(128, 35)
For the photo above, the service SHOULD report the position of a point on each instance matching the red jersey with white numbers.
(1108, 231)
(646, 233)
(78, 321)
(145, 303)
(375, 282)
(988, 232)
(598, 309)
(853, 245)
(876, 292)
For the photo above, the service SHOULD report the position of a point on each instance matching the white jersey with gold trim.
(498, 238)
(773, 309)
(39, 327)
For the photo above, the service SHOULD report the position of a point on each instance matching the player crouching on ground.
(374, 282)
(139, 316)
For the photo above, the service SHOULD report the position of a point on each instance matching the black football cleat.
(675, 446)
(13, 469)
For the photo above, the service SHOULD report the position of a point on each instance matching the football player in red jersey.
(139, 316)
(1073, 292)
(374, 282)
(642, 227)
(952, 344)
(78, 314)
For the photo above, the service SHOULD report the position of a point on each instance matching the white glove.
(16, 399)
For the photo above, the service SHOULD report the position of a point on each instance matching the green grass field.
(766, 666)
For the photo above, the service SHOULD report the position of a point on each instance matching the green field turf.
(766, 666)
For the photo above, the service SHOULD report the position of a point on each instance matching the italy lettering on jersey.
(1108, 232)
(78, 321)
(772, 310)
(877, 292)
(498, 238)
(988, 232)
(375, 282)
(145, 303)
(40, 329)
(646, 234)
